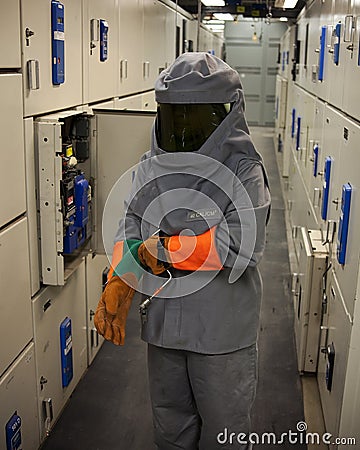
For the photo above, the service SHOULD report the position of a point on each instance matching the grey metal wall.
(256, 62)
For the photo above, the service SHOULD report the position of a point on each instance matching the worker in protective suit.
(197, 213)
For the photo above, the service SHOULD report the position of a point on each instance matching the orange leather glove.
(149, 254)
(112, 310)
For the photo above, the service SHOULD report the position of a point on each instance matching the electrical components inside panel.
(75, 189)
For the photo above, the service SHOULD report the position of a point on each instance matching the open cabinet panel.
(118, 152)
(79, 157)
(62, 143)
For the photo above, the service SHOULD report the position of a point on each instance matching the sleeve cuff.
(116, 257)
(194, 252)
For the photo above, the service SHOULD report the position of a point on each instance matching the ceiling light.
(283, 19)
(213, 2)
(288, 4)
(224, 16)
(213, 22)
(215, 27)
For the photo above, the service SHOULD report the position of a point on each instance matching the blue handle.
(326, 187)
(344, 223)
(104, 30)
(293, 115)
(58, 42)
(298, 133)
(322, 53)
(316, 160)
(337, 43)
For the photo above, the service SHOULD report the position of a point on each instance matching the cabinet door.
(301, 211)
(314, 31)
(349, 173)
(41, 95)
(303, 37)
(50, 308)
(334, 341)
(12, 175)
(287, 132)
(323, 87)
(307, 125)
(352, 72)
(154, 42)
(170, 36)
(337, 65)
(316, 156)
(99, 73)
(15, 306)
(10, 56)
(95, 267)
(18, 393)
(349, 424)
(118, 152)
(31, 205)
(280, 102)
(302, 296)
(333, 133)
(131, 45)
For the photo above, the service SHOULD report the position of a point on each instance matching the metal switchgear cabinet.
(52, 308)
(79, 160)
(313, 256)
(19, 427)
(64, 200)
(51, 55)
(12, 172)
(15, 302)
(333, 354)
(10, 51)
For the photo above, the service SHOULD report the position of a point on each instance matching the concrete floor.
(110, 407)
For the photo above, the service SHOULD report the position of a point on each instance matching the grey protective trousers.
(199, 400)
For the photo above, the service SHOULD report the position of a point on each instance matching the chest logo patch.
(212, 213)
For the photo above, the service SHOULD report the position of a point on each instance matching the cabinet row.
(72, 161)
(327, 337)
(317, 149)
(321, 53)
(84, 51)
(65, 173)
(51, 357)
(321, 161)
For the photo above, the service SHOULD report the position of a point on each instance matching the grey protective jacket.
(222, 187)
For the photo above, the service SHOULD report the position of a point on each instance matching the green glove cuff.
(130, 261)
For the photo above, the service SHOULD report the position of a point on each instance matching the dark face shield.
(185, 128)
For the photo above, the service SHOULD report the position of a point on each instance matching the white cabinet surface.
(40, 94)
(50, 307)
(15, 305)
(99, 75)
(12, 175)
(18, 396)
(10, 56)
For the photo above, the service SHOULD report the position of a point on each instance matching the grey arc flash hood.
(205, 80)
